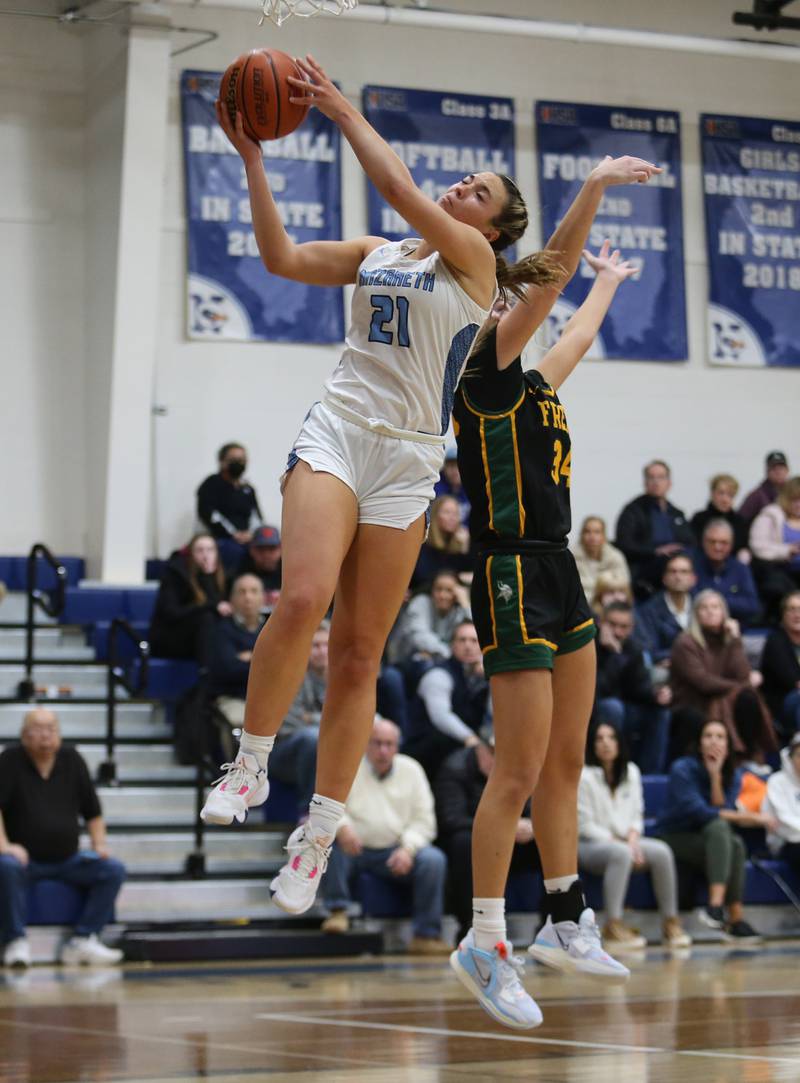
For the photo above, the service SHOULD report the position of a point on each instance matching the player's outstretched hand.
(247, 147)
(625, 170)
(610, 266)
(316, 89)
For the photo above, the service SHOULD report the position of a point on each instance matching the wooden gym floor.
(714, 1015)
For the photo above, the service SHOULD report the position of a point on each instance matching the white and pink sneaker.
(243, 785)
(295, 887)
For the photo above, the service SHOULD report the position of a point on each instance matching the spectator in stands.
(227, 504)
(263, 558)
(782, 805)
(718, 569)
(451, 705)
(191, 599)
(610, 588)
(767, 491)
(662, 618)
(612, 843)
(45, 791)
(780, 667)
(232, 643)
(449, 483)
(388, 830)
(650, 529)
(447, 544)
(424, 629)
(626, 695)
(294, 755)
(710, 671)
(697, 823)
(459, 785)
(595, 556)
(720, 506)
(775, 542)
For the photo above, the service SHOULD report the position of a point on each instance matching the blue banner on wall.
(647, 320)
(751, 184)
(230, 294)
(441, 138)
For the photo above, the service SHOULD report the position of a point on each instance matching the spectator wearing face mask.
(227, 504)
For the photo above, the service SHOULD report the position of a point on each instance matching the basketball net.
(278, 11)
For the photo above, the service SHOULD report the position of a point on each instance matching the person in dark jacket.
(780, 667)
(662, 618)
(625, 692)
(191, 598)
(720, 506)
(458, 788)
(650, 529)
(451, 705)
(718, 569)
(263, 558)
(232, 644)
(227, 504)
(698, 820)
(767, 492)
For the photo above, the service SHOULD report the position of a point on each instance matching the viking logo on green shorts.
(504, 592)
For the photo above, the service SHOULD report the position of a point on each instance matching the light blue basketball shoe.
(493, 978)
(576, 947)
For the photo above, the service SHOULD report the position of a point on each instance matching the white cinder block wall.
(55, 224)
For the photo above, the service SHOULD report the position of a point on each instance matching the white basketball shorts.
(392, 476)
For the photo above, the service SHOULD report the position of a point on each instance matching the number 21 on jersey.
(383, 313)
(561, 469)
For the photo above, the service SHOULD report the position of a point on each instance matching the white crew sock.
(260, 747)
(324, 817)
(560, 884)
(488, 922)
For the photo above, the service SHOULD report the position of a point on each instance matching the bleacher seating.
(88, 605)
(14, 572)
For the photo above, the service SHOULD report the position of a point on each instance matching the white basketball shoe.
(243, 786)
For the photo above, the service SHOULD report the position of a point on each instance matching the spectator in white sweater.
(595, 556)
(782, 803)
(388, 828)
(611, 842)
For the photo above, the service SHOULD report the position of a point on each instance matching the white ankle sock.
(560, 884)
(488, 922)
(260, 747)
(324, 816)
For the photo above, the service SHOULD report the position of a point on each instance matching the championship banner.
(751, 185)
(441, 138)
(230, 294)
(647, 321)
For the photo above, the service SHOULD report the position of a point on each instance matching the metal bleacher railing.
(50, 602)
(132, 676)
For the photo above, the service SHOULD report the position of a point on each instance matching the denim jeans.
(646, 729)
(427, 879)
(293, 760)
(102, 877)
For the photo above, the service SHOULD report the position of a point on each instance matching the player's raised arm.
(319, 263)
(581, 329)
(464, 244)
(566, 244)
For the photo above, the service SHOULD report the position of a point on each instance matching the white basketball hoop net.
(278, 11)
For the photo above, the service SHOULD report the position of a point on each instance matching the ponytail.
(538, 269)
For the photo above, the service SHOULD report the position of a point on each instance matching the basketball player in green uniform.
(536, 630)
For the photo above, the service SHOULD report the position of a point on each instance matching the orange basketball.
(255, 84)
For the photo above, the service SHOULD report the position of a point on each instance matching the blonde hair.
(436, 536)
(695, 628)
(606, 582)
(789, 491)
(724, 479)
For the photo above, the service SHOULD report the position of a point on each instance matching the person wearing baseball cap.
(263, 558)
(777, 467)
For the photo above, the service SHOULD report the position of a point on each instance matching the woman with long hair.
(447, 544)
(360, 476)
(191, 597)
(612, 843)
(698, 824)
(710, 672)
(596, 557)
